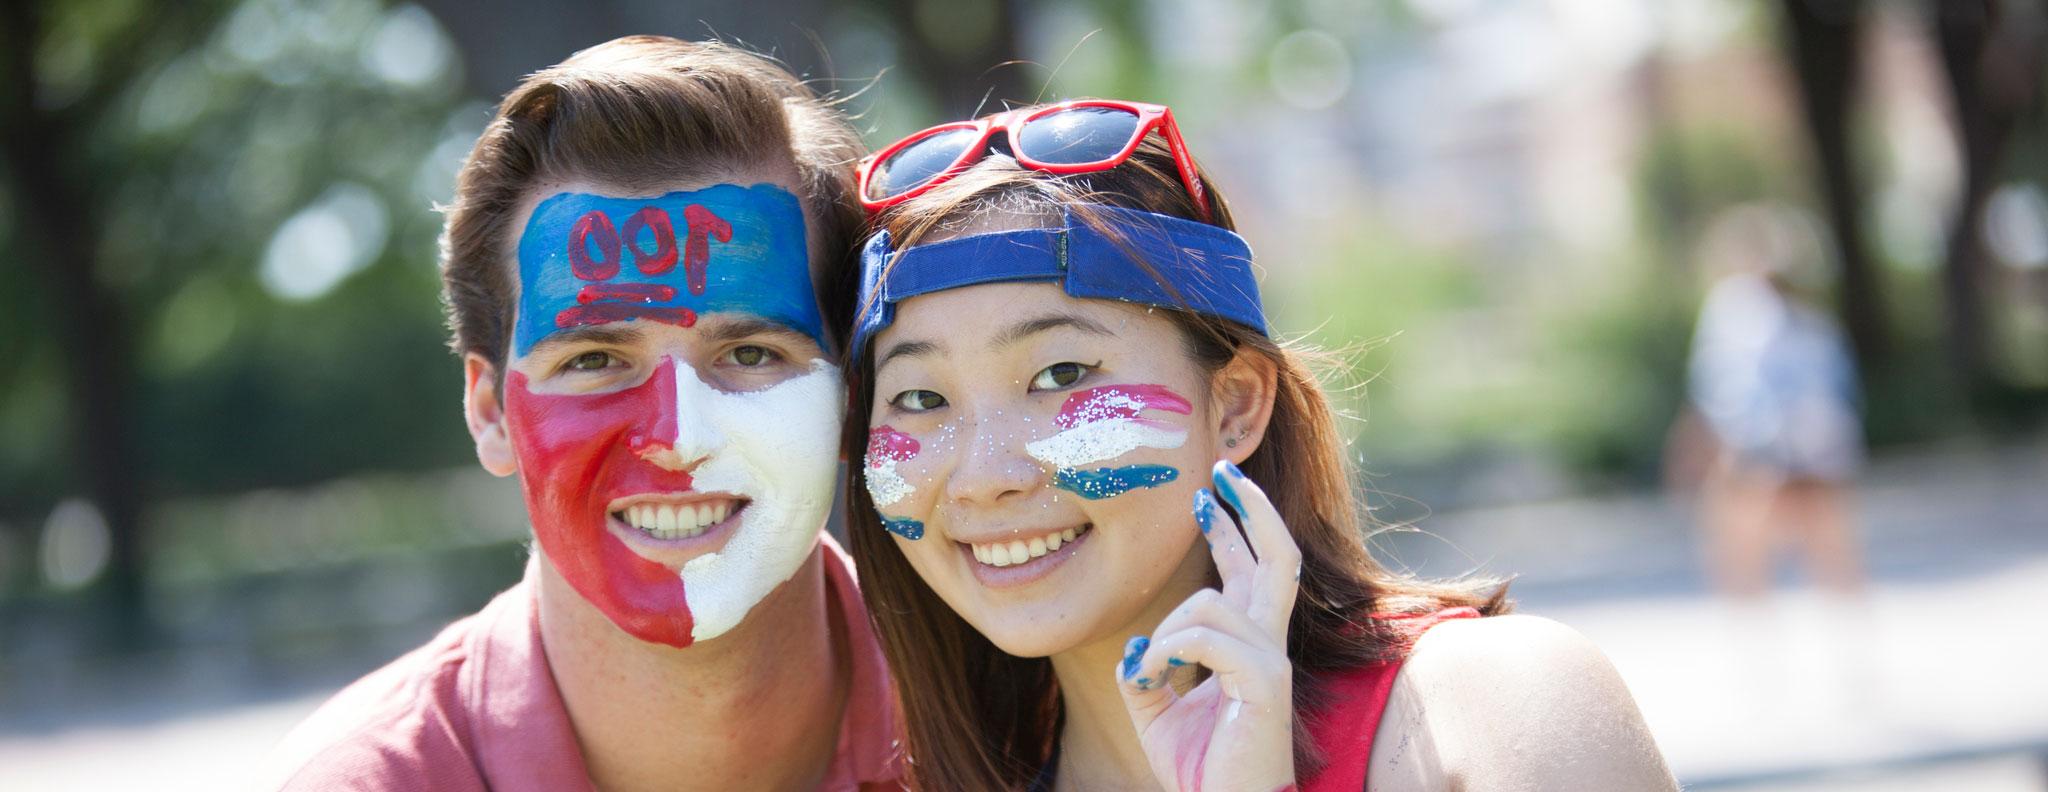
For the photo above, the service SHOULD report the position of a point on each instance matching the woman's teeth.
(671, 521)
(1003, 554)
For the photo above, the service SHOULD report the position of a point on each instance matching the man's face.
(668, 402)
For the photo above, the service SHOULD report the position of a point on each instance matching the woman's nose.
(993, 466)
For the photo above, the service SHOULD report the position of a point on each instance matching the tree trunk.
(1994, 75)
(968, 76)
(58, 227)
(1825, 52)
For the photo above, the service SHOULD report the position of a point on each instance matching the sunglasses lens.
(1079, 135)
(917, 163)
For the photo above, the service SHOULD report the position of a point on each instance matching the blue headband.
(1210, 267)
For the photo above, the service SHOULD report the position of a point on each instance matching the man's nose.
(993, 466)
(681, 432)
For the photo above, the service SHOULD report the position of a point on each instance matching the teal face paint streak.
(904, 527)
(1203, 507)
(1110, 482)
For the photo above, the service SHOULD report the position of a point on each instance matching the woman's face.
(1035, 456)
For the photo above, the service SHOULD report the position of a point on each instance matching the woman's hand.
(1235, 731)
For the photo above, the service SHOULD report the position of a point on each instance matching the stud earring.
(1231, 442)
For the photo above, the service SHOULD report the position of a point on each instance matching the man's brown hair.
(640, 112)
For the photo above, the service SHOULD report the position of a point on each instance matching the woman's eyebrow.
(1029, 327)
(906, 349)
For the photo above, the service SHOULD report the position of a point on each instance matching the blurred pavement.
(1934, 683)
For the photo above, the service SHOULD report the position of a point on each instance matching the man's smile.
(680, 516)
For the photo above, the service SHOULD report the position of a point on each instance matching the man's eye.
(1059, 375)
(751, 356)
(589, 361)
(918, 401)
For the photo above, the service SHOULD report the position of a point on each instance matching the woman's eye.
(589, 361)
(751, 356)
(918, 401)
(1058, 375)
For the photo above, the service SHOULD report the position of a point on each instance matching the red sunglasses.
(1079, 136)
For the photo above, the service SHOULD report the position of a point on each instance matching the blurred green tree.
(228, 270)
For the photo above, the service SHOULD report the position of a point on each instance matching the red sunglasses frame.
(1151, 117)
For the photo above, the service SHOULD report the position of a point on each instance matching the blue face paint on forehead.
(589, 259)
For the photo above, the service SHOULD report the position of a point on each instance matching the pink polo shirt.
(477, 709)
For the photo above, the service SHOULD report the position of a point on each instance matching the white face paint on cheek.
(1108, 422)
(886, 448)
(1090, 443)
(887, 486)
(783, 456)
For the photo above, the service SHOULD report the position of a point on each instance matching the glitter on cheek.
(886, 448)
(1095, 442)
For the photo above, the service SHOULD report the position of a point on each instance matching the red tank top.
(1343, 731)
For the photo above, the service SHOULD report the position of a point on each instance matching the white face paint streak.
(886, 485)
(1094, 442)
(782, 455)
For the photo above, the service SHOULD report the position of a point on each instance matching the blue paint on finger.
(1134, 654)
(1203, 505)
(1227, 476)
(904, 527)
(1110, 482)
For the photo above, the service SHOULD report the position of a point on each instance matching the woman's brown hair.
(979, 718)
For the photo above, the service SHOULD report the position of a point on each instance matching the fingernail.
(1176, 662)
(1134, 651)
(1144, 683)
(1232, 466)
(1202, 505)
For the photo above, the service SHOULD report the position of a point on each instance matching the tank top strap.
(1355, 700)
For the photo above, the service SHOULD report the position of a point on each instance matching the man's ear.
(1241, 395)
(484, 407)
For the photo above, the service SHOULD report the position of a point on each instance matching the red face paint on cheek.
(576, 455)
(885, 443)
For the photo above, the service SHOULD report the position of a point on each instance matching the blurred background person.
(1770, 442)
(1773, 384)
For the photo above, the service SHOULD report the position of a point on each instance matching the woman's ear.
(484, 408)
(1242, 396)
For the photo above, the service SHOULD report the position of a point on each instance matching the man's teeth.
(1003, 554)
(671, 521)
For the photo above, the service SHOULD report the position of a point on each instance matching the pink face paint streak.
(885, 443)
(1118, 401)
(578, 453)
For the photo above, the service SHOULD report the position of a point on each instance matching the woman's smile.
(1025, 558)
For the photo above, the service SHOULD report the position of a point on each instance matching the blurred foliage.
(264, 172)
(198, 159)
